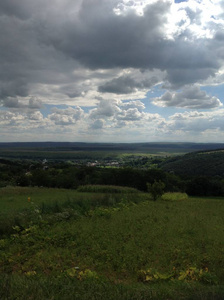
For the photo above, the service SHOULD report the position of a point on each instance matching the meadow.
(95, 243)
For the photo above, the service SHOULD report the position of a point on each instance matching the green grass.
(128, 249)
(22, 206)
(39, 288)
(16, 198)
(13, 199)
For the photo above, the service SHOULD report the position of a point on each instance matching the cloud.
(103, 54)
(53, 46)
(23, 9)
(133, 104)
(118, 114)
(190, 97)
(131, 114)
(35, 103)
(133, 41)
(13, 102)
(126, 125)
(106, 40)
(9, 118)
(122, 85)
(118, 111)
(138, 42)
(126, 85)
(97, 124)
(195, 122)
(36, 116)
(187, 115)
(12, 88)
(66, 116)
(105, 109)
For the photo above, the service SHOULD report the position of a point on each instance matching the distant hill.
(144, 147)
(208, 163)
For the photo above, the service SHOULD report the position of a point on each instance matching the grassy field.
(16, 198)
(64, 244)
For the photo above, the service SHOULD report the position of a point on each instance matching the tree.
(156, 189)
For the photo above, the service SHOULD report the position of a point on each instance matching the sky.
(112, 70)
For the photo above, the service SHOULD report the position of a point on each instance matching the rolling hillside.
(207, 163)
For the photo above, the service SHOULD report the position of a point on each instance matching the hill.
(206, 163)
(80, 146)
(96, 151)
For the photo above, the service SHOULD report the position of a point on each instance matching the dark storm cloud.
(13, 88)
(126, 85)
(121, 85)
(19, 9)
(98, 38)
(12, 102)
(24, 59)
(102, 39)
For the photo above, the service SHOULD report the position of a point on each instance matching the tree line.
(64, 175)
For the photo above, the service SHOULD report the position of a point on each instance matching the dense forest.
(208, 163)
